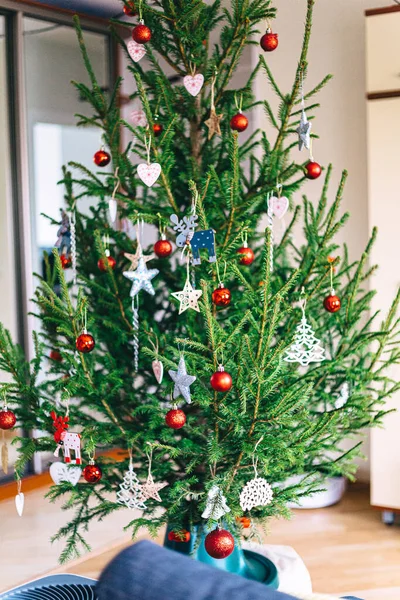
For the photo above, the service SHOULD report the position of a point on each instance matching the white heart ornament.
(149, 173)
(138, 118)
(136, 51)
(60, 472)
(193, 83)
(112, 207)
(19, 503)
(279, 206)
(158, 370)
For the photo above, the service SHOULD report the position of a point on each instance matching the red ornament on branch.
(245, 522)
(332, 303)
(102, 263)
(102, 158)
(141, 34)
(92, 472)
(312, 170)
(65, 261)
(175, 418)
(7, 418)
(85, 342)
(181, 536)
(55, 355)
(247, 255)
(129, 9)
(269, 41)
(219, 543)
(163, 248)
(221, 296)
(221, 381)
(157, 129)
(239, 122)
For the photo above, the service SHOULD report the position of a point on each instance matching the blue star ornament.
(182, 381)
(141, 278)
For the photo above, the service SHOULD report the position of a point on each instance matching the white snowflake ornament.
(256, 492)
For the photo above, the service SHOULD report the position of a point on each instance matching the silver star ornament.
(182, 381)
(188, 298)
(304, 130)
(141, 278)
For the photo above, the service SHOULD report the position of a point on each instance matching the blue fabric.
(146, 571)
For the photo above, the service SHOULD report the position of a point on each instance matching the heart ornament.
(193, 83)
(60, 472)
(138, 118)
(158, 370)
(19, 503)
(149, 173)
(278, 206)
(136, 51)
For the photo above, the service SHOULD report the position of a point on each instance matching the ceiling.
(101, 8)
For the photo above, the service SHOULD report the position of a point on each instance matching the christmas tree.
(231, 418)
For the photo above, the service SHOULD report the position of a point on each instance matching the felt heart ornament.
(193, 83)
(138, 118)
(136, 51)
(149, 173)
(19, 503)
(158, 370)
(112, 207)
(279, 206)
(60, 472)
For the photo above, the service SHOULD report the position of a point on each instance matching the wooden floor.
(346, 549)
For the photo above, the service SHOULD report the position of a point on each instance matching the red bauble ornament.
(102, 263)
(55, 355)
(163, 247)
(65, 261)
(221, 381)
(92, 472)
(141, 34)
(269, 41)
(244, 521)
(312, 170)
(102, 158)
(7, 418)
(332, 303)
(219, 543)
(85, 342)
(175, 418)
(221, 296)
(157, 129)
(129, 9)
(181, 536)
(247, 255)
(239, 122)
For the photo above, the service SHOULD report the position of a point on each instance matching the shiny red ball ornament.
(102, 263)
(55, 355)
(7, 419)
(65, 261)
(141, 34)
(247, 255)
(221, 296)
(157, 129)
(221, 381)
(175, 418)
(92, 473)
(181, 536)
(129, 9)
(219, 543)
(163, 248)
(85, 342)
(312, 170)
(102, 158)
(239, 122)
(332, 303)
(269, 41)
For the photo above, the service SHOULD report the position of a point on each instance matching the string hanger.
(255, 459)
(239, 103)
(147, 144)
(220, 282)
(117, 183)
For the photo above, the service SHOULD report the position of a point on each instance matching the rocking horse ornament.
(187, 236)
(66, 440)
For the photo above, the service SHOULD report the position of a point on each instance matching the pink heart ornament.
(279, 206)
(149, 173)
(158, 370)
(136, 51)
(138, 118)
(193, 83)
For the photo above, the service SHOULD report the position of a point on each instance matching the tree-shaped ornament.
(258, 491)
(216, 506)
(306, 347)
(130, 492)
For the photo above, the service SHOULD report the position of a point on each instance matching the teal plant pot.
(246, 563)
